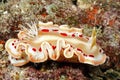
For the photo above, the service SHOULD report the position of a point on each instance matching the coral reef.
(104, 15)
(41, 71)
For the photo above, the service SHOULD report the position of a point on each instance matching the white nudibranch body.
(44, 41)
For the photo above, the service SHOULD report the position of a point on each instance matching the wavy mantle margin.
(47, 41)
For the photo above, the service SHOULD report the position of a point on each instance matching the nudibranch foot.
(18, 62)
(47, 41)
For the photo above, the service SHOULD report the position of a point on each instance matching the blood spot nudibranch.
(48, 41)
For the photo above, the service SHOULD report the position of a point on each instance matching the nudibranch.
(47, 41)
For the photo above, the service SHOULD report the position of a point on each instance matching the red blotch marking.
(40, 49)
(63, 34)
(79, 49)
(45, 30)
(81, 35)
(100, 50)
(55, 30)
(53, 47)
(12, 43)
(73, 35)
(84, 55)
(91, 55)
(14, 40)
(14, 46)
(22, 50)
(69, 50)
(34, 49)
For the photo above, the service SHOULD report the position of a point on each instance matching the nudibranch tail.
(18, 62)
(47, 41)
